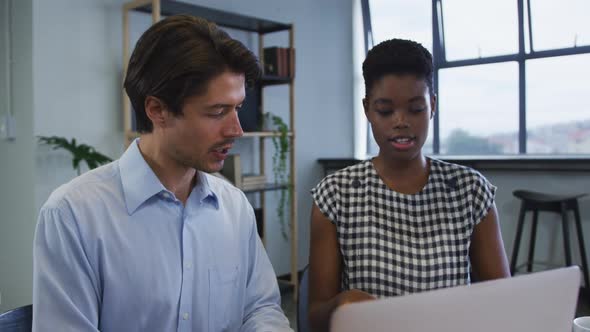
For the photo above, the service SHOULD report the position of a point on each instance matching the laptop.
(538, 302)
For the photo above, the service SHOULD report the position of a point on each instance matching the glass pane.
(472, 29)
(479, 109)
(560, 24)
(402, 19)
(558, 113)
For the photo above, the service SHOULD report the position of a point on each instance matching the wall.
(72, 49)
(17, 213)
(77, 66)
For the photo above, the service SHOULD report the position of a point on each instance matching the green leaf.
(81, 152)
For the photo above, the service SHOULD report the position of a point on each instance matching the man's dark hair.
(176, 58)
(400, 57)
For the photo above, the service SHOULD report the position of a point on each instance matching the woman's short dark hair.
(176, 58)
(400, 57)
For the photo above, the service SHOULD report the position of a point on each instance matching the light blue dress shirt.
(115, 251)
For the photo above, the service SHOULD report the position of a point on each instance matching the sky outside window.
(558, 113)
(479, 109)
(475, 29)
(560, 24)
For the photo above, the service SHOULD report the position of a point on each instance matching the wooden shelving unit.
(261, 27)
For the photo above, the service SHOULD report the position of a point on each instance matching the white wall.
(17, 210)
(72, 49)
(77, 66)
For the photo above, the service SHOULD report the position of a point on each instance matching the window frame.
(521, 58)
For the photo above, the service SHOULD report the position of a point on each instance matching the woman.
(401, 222)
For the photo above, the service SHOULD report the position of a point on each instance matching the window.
(560, 25)
(558, 116)
(511, 76)
(480, 106)
(413, 20)
(476, 35)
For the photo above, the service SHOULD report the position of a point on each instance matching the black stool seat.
(562, 204)
(537, 197)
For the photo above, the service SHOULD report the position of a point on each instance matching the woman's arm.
(325, 268)
(488, 258)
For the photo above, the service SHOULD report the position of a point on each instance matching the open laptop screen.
(539, 302)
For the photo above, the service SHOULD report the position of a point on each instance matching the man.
(151, 242)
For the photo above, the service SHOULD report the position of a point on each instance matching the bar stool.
(562, 204)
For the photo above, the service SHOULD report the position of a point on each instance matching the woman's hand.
(353, 295)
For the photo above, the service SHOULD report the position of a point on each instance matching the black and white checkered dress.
(395, 244)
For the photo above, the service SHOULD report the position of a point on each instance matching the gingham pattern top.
(395, 244)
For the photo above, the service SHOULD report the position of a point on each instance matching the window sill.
(522, 163)
(506, 163)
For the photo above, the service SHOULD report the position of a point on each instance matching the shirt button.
(189, 265)
(185, 316)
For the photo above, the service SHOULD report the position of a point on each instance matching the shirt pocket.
(225, 314)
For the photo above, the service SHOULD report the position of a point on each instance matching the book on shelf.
(255, 186)
(291, 63)
(270, 57)
(279, 61)
(253, 181)
(253, 178)
(282, 62)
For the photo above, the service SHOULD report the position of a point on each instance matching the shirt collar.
(204, 192)
(141, 183)
(138, 179)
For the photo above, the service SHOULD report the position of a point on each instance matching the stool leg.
(581, 244)
(532, 242)
(517, 239)
(566, 234)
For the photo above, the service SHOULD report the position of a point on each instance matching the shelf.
(266, 80)
(221, 18)
(250, 116)
(500, 163)
(265, 134)
(522, 162)
(267, 187)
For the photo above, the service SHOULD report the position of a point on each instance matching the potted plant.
(80, 152)
(279, 163)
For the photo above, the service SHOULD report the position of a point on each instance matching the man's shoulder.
(86, 187)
